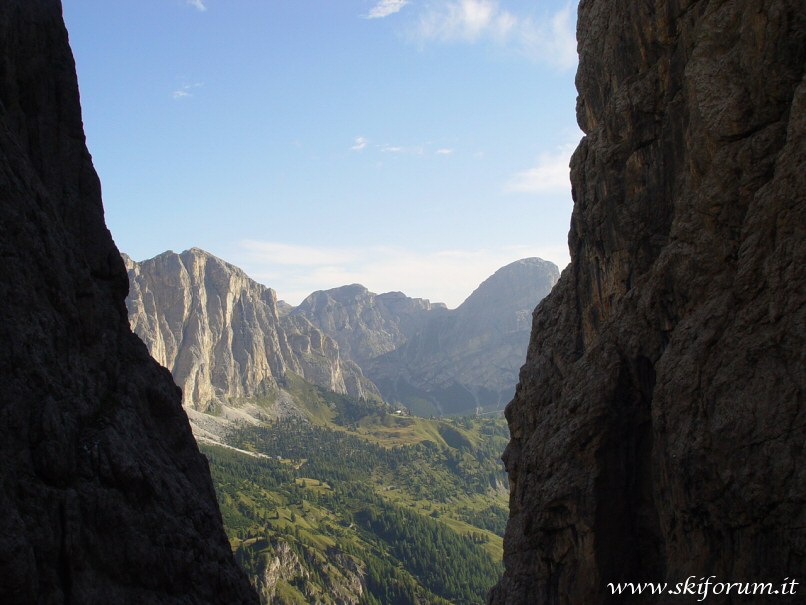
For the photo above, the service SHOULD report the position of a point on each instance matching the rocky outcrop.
(221, 335)
(469, 357)
(659, 423)
(104, 495)
(283, 573)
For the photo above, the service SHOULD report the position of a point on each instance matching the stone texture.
(104, 495)
(658, 428)
(221, 334)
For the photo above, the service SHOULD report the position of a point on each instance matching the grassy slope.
(343, 491)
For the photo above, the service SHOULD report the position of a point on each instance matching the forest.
(370, 507)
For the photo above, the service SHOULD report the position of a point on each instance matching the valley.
(352, 503)
(354, 440)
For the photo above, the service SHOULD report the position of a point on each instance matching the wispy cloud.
(359, 143)
(186, 90)
(402, 149)
(448, 275)
(466, 20)
(550, 40)
(197, 4)
(550, 173)
(384, 8)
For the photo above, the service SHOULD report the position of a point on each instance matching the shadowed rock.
(104, 495)
(658, 428)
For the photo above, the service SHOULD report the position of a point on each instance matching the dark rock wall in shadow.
(104, 495)
(658, 428)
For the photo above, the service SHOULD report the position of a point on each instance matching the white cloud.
(464, 20)
(360, 143)
(550, 40)
(384, 8)
(447, 276)
(551, 173)
(197, 4)
(186, 90)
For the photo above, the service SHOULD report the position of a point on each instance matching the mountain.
(222, 337)
(658, 426)
(367, 325)
(105, 497)
(328, 494)
(229, 342)
(469, 357)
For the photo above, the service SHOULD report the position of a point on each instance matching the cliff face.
(104, 495)
(227, 340)
(220, 333)
(659, 424)
(469, 356)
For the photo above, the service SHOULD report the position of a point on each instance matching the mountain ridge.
(226, 337)
(221, 334)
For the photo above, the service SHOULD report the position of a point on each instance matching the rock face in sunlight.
(221, 334)
(228, 341)
(658, 428)
(105, 497)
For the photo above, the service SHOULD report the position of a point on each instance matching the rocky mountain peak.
(222, 335)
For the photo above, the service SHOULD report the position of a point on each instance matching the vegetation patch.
(360, 498)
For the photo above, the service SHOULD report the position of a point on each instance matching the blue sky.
(407, 145)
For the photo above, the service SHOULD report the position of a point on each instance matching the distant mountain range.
(235, 349)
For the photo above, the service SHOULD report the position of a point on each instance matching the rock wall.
(104, 495)
(221, 335)
(658, 428)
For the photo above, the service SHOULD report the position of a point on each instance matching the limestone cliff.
(658, 427)
(221, 335)
(104, 495)
(469, 357)
(227, 339)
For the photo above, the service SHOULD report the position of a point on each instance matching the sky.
(407, 145)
